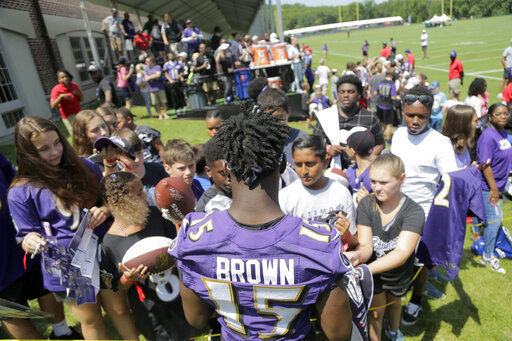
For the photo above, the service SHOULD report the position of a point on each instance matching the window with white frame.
(83, 55)
(11, 107)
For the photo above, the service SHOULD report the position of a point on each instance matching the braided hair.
(253, 145)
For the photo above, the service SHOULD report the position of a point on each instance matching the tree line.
(298, 16)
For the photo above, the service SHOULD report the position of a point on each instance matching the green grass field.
(479, 44)
(478, 305)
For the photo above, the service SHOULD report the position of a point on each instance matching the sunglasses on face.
(424, 99)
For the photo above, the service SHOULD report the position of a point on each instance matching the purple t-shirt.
(173, 68)
(10, 252)
(154, 84)
(324, 101)
(463, 159)
(495, 146)
(443, 236)
(355, 182)
(261, 282)
(193, 45)
(30, 206)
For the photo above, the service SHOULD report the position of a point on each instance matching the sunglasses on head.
(424, 99)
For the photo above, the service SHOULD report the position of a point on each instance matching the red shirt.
(67, 106)
(142, 40)
(385, 52)
(455, 69)
(410, 59)
(507, 93)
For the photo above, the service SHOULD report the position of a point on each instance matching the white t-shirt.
(299, 201)
(507, 53)
(426, 158)
(424, 39)
(475, 103)
(450, 103)
(323, 74)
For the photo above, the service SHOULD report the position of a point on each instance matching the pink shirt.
(120, 82)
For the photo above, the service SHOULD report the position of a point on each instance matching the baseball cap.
(412, 82)
(183, 54)
(223, 46)
(362, 142)
(424, 31)
(118, 142)
(317, 86)
(399, 57)
(384, 43)
(345, 134)
(434, 85)
(92, 68)
(188, 22)
(408, 51)
(113, 10)
(453, 53)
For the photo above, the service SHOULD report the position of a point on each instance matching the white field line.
(466, 74)
(468, 60)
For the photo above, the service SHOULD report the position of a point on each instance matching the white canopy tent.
(438, 19)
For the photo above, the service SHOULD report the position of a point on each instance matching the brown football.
(151, 252)
(176, 197)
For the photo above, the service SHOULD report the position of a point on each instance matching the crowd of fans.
(255, 174)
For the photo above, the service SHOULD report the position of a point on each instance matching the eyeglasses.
(424, 99)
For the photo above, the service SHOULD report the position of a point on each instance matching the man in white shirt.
(322, 73)
(427, 155)
(424, 43)
(506, 61)
(115, 30)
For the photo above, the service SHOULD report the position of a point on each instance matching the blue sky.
(319, 2)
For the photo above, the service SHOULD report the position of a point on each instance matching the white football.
(151, 252)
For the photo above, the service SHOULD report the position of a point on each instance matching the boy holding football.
(180, 161)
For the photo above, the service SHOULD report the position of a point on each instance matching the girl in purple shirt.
(493, 144)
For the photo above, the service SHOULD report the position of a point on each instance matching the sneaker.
(396, 336)
(432, 292)
(411, 313)
(75, 335)
(500, 95)
(439, 277)
(493, 264)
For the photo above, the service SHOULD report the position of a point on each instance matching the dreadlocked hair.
(253, 145)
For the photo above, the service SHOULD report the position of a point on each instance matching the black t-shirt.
(410, 217)
(160, 316)
(215, 42)
(201, 60)
(226, 63)
(106, 84)
(154, 173)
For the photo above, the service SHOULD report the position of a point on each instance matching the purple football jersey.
(261, 282)
(356, 182)
(445, 228)
(30, 206)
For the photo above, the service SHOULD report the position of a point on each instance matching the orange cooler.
(280, 53)
(260, 55)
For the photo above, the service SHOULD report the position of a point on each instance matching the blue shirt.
(437, 110)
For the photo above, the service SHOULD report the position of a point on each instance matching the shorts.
(28, 287)
(386, 116)
(454, 83)
(210, 86)
(125, 92)
(394, 289)
(158, 97)
(158, 46)
(365, 53)
(507, 73)
(116, 43)
(424, 48)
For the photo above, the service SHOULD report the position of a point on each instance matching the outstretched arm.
(197, 311)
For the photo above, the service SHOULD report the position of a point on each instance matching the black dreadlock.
(253, 144)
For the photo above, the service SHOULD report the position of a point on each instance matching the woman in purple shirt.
(494, 145)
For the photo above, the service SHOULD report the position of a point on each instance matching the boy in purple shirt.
(322, 101)
(261, 270)
(191, 36)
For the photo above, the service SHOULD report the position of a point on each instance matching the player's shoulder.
(316, 235)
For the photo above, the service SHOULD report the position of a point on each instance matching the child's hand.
(342, 225)
(97, 215)
(361, 193)
(137, 274)
(31, 242)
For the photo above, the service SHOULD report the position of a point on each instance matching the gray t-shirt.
(410, 217)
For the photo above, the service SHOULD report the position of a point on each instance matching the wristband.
(126, 280)
(345, 244)
(327, 148)
(110, 166)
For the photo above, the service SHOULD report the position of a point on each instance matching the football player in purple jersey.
(261, 270)
(52, 186)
